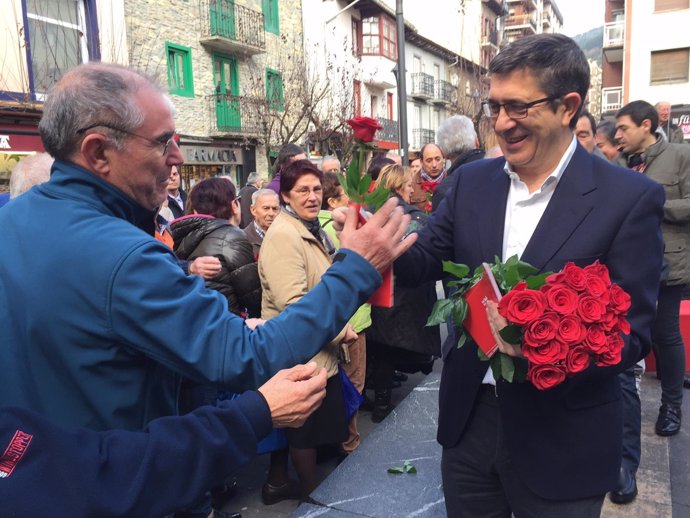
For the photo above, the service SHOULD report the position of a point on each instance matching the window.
(57, 40)
(270, 10)
(274, 90)
(357, 97)
(356, 37)
(379, 37)
(670, 5)
(180, 73)
(374, 106)
(670, 66)
(389, 105)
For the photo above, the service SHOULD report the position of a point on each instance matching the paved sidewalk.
(663, 478)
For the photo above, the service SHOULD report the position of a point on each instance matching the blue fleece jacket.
(47, 470)
(99, 322)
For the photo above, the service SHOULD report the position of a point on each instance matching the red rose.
(429, 186)
(545, 353)
(561, 298)
(599, 270)
(620, 300)
(578, 359)
(541, 330)
(597, 287)
(545, 376)
(428, 207)
(521, 306)
(570, 330)
(590, 309)
(623, 325)
(596, 339)
(364, 128)
(609, 321)
(613, 353)
(574, 276)
(555, 278)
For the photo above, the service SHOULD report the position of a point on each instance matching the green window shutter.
(274, 89)
(180, 75)
(270, 10)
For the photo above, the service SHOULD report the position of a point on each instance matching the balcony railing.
(614, 34)
(520, 21)
(444, 91)
(611, 99)
(421, 137)
(232, 28)
(237, 114)
(490, 39)
(422, 85)
(389, 133)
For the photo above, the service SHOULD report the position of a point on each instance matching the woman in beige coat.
(295, 253)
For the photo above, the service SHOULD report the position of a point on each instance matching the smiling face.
(533, 145)
(147, 183)
(305, 197)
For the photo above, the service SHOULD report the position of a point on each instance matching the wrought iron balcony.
(444, 92)
(231, 28)
(422, 85)
(236, 114)
(420, 137)
(389, 133)
(611, 99)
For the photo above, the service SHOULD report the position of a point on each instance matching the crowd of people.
(184, 332)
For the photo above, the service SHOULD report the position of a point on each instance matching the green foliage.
(407, 467)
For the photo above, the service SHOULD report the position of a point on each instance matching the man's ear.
(571, 102)
(95, 150)
(647, 125)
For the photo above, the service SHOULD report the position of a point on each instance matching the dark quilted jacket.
(199, 235)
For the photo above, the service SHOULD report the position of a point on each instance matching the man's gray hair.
(88, 95)
(264, 192)
(30, 171)
(456, 135)
(253, 178)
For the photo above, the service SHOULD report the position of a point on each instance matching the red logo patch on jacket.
(14, 452)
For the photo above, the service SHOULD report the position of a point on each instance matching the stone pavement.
(361, 486)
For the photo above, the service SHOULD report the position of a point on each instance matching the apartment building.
(647, 56)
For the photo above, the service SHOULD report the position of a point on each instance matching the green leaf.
(535, 282)
(483, 357)
(398, 470)
(511, 334)
(409, 468)
(440, 312)
(462, 338)
(364, 184)
(377, 197)
(459, 311)
(507, 367)
(495, 362)
(456, 269)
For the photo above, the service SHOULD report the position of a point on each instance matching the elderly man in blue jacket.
(99, 322)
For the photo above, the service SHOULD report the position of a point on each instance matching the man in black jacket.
(458, 140)
(177, 197)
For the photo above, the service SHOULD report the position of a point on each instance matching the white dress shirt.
(523, 212)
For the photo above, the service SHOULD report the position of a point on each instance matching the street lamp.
(399, 72)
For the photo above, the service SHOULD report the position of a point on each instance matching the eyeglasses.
(164, 141)
(304, 192)
(514, 110)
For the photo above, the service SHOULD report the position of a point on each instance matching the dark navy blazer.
(564, 442)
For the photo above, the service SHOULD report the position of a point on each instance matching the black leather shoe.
(271, 494)
(627, 488)
(668, 422)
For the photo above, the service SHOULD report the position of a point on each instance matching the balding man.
(122, 322)
(672, 132)
(431, 175)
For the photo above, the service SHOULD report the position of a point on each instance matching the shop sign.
(211, 155)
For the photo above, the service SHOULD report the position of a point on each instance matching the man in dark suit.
(508, 447)
(177, 197)
(253, 185)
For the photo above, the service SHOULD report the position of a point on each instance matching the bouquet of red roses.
(575, 318)
(562, 321)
